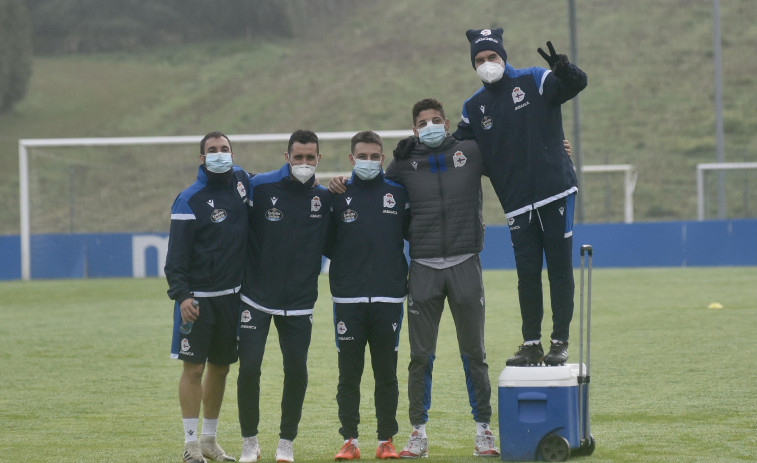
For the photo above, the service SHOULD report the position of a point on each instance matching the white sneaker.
(484, 446)
(250, 450)
(284, 452)
(417, 447)
(192, 453)
(210, 449)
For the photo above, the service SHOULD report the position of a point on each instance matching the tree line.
(76, 26)
(54, 27)
(15, 52)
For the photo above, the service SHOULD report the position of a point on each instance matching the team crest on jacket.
(349, 216)
(518, 95)
(315, 204)
(242, 191)
(486, 122)
(218, 215)
(273, 215)
(389, 200)
(459, 159)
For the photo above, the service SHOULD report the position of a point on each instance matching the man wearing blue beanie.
(516, 120)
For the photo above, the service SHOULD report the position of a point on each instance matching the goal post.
(629, 183)
(717, 166)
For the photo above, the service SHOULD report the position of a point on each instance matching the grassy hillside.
(650, 100)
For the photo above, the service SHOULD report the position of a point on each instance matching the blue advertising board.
(649, 244)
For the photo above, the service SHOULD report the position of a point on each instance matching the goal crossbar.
(25, 144)
(701, 168)
(629, 184)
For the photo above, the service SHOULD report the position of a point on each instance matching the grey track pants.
(462, 286)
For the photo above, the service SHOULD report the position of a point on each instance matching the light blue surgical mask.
(367, 169)
(218, 162)
(432, 135)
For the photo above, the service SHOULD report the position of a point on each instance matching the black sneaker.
(558, 353)
(531, 354)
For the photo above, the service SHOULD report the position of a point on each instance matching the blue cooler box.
(538, 409)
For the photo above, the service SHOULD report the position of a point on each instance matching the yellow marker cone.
(715, 305)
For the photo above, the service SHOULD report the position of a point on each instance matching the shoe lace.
(415, 443)
(485, 441)
(285, 448)
(526, 348)
(191, 451)
(386, 447)
(249, 443)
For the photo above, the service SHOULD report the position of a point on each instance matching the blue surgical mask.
(218, 162)
(432, 135)
(367, 169)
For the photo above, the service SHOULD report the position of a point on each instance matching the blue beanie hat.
(485, 39)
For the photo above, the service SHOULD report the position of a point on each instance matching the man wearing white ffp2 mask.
(303, 159)
(516, 120)
(289, 221)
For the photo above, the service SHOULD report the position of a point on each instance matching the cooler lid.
(540, 376)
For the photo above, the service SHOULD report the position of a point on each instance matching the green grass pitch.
(86, 375)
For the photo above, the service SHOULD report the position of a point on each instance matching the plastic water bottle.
(186, 327)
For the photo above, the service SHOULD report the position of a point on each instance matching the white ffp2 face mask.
(490, 72)
(303, 172)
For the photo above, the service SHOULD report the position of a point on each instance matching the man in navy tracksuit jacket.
(206, 246)
(289, 220)
(368, 278)
(516, 120)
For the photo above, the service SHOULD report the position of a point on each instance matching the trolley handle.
(586, 248)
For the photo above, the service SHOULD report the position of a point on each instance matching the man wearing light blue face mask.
(368, 280)
(443, 179)
(206, 246)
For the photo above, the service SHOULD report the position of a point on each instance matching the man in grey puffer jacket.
(443, 179)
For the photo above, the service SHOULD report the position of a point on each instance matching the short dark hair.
(366, 136)
(427, 103)
(304, 137)
(215, 134)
